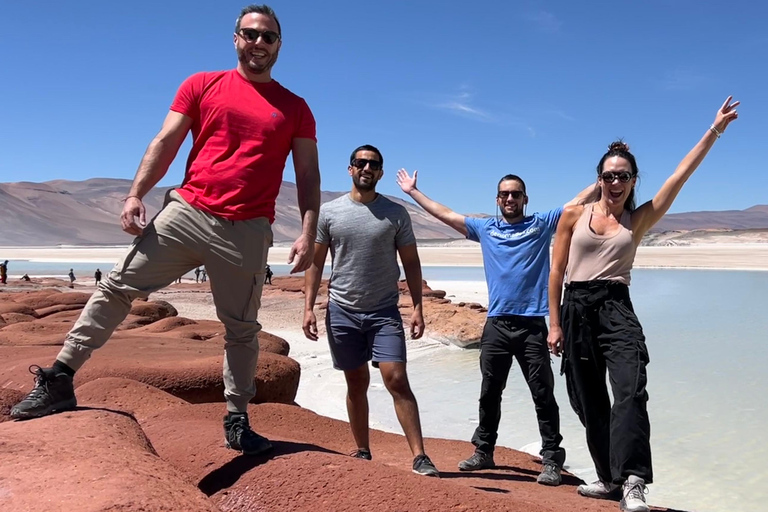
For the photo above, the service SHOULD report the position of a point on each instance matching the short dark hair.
(258, 9)
(366, 147)
(511, 177)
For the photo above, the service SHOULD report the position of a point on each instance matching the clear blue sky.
(465, 92)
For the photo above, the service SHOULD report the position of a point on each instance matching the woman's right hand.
(555, 340)
(726, 114)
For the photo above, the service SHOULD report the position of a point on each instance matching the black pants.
(602, 333)
(524, 338)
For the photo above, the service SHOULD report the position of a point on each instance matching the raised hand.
(726, 114)
(407, 184)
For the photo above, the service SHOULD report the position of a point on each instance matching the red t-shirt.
(242, 133)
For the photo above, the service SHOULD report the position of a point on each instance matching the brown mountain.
(86, 213)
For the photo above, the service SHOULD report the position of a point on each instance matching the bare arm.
(588, 195)
(154, 165)
(305, 162)
(409, 257)
(437, 210)
(312, 279)
(557, 274)
(652, 211)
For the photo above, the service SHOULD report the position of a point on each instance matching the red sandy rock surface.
(137, 442)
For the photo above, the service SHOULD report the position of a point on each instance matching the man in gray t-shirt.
(365, 232)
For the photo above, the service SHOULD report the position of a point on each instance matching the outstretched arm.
(651, 212)
(588, 195)
(557, 274)
(311, 285)
(437, 210)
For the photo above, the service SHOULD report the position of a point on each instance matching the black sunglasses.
(504, 194)
(251, 35)
(623, 177)
(360, 163)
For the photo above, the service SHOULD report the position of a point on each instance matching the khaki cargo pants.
(179, 239)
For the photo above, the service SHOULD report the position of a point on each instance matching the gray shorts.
(358, 337)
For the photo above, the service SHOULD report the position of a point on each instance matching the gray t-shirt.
(364, 239)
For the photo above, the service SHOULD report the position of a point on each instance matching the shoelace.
(41, 382)
(637, 492)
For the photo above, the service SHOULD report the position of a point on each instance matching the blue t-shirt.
(516, 261)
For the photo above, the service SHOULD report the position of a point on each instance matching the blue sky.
(465, 92)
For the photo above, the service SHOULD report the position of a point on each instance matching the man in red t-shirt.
(244, 124)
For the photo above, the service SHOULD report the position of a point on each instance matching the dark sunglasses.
(360, 163)
(251, 35)
(623, 177)
(504, 194)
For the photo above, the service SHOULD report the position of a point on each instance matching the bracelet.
(128, 197)
(714, 130)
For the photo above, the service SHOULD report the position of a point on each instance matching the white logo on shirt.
(533, 230)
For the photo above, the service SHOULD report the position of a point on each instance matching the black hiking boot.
(478, 460)
(53, 392)
(240, 437)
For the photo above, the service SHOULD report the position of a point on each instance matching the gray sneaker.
(478, 460)
(361, 453)
(550, 475)
(422, 465)
(53, 392)
(600, 490)
(633, 495)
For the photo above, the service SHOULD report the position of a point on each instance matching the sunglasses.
(251, 35)
(504, 194)
(623, 177)
(360, 163)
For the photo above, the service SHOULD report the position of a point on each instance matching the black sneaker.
(53, 392)
(240, 437)
(478, 460)
(423, 466)
(550, 475)
(362, 453)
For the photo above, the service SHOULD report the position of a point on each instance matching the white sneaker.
(599, 490)
(633, 495)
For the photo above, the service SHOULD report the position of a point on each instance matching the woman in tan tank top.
(596, 328)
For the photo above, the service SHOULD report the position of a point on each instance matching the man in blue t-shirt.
(515, 251)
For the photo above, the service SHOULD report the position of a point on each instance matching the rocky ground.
(147, 434)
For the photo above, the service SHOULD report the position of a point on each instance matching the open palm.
(406, 182)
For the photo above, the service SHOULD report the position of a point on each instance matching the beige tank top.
(594, 256)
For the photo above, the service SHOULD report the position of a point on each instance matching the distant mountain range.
(86, 213)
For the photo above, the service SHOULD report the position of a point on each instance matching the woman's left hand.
(726, 114)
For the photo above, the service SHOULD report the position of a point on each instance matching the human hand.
(407, 183)
(417, 324)
(310, 325)
(555, 340)
(133, 208)
(302, 251)
(726, 114)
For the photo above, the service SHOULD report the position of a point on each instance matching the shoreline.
(715, 256)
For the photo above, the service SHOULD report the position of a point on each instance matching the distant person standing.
(268, 276)
(203, 275)
(4, 272)
(366, 232)
(244, 125)
(97, 276)
(197, 274)
(72, 278)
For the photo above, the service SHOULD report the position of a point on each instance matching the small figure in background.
(97, 277)
(268, 276)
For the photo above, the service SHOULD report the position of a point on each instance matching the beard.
(364, 187)
(511, 214)
(253, 66)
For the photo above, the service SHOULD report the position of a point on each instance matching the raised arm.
(588, 195)
(409, 257)
(312, 279)
(154, 164)
(652, 211)
(557, 274)
(308, 192)
(437, 210)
